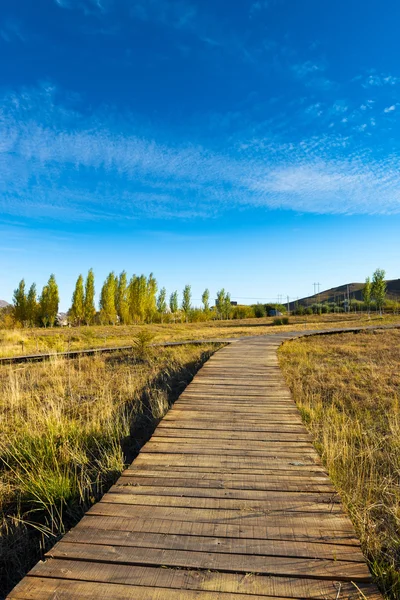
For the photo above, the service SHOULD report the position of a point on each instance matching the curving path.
(227, 501)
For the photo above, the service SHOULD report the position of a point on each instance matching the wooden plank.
(271, 436)
(251, 584)
(266, 497)
(234, 427)
(233, 462)
(326, 523)
(122, 495)
(40, 588)
(216, 442)
(231, 563)
(224, 482)
(225, 469)
(306, 454)
(268, 445)
(321, 535)
(221, 545)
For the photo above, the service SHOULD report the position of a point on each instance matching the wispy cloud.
(389, 109)
(174, 13)
(304, 69)
(312, 74)
(374, 79)
(56, 164)
(11, 30)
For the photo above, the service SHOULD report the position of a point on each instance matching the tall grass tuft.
(347, 388)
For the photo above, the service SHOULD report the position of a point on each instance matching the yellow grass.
(67, 429)
(32, 341)
(348, 390)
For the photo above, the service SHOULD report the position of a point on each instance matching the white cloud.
(56, 164)
(381, 79)
(304, 69)
(390, 109)
(340, 107)
(312, 75)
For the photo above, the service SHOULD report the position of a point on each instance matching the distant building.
(233, 303)
(274, 312)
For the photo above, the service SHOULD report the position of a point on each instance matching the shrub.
(281, 321)
(142, 343)
(243, 312)
(259, 311)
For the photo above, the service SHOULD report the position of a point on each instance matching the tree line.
(122, 300)
(31, 310)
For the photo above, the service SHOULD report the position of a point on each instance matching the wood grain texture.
(228, 500)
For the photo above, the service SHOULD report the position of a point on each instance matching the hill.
(3, 304)
(339, 293)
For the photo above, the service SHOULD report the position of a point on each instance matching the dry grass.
(348, 390)
(32, 341)
(68, 427)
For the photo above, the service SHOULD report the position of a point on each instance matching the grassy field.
(67, 429)
(32, 341)
(348, 390)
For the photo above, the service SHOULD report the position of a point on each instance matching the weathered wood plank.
(122, 495)
(158, 524)
(218, 482)
(39, 588)
(197, 543)
(267, 497)
(231, 563)
(175, 579)
(324, 522)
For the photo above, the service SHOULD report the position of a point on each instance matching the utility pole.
(316, 285)
(288, 307)
(348, 299)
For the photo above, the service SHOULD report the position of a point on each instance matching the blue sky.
(251, 145)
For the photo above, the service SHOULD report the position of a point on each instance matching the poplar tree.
(122, 299)
(151, 302)
(137, 297)
(89, 309)
(227, 307)
(44, 306)
(187, 300)
(132, 297)
(108, 313)
(141, 298)
(77, 311)
(48, 303)
(162, 302)
(19, 301)
(366, 293)
(206, 300)
(32, 306)
(220, 303)
(378, 288)
(173, 302)
(53, 300)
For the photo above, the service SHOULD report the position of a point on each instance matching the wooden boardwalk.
(227, 501)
